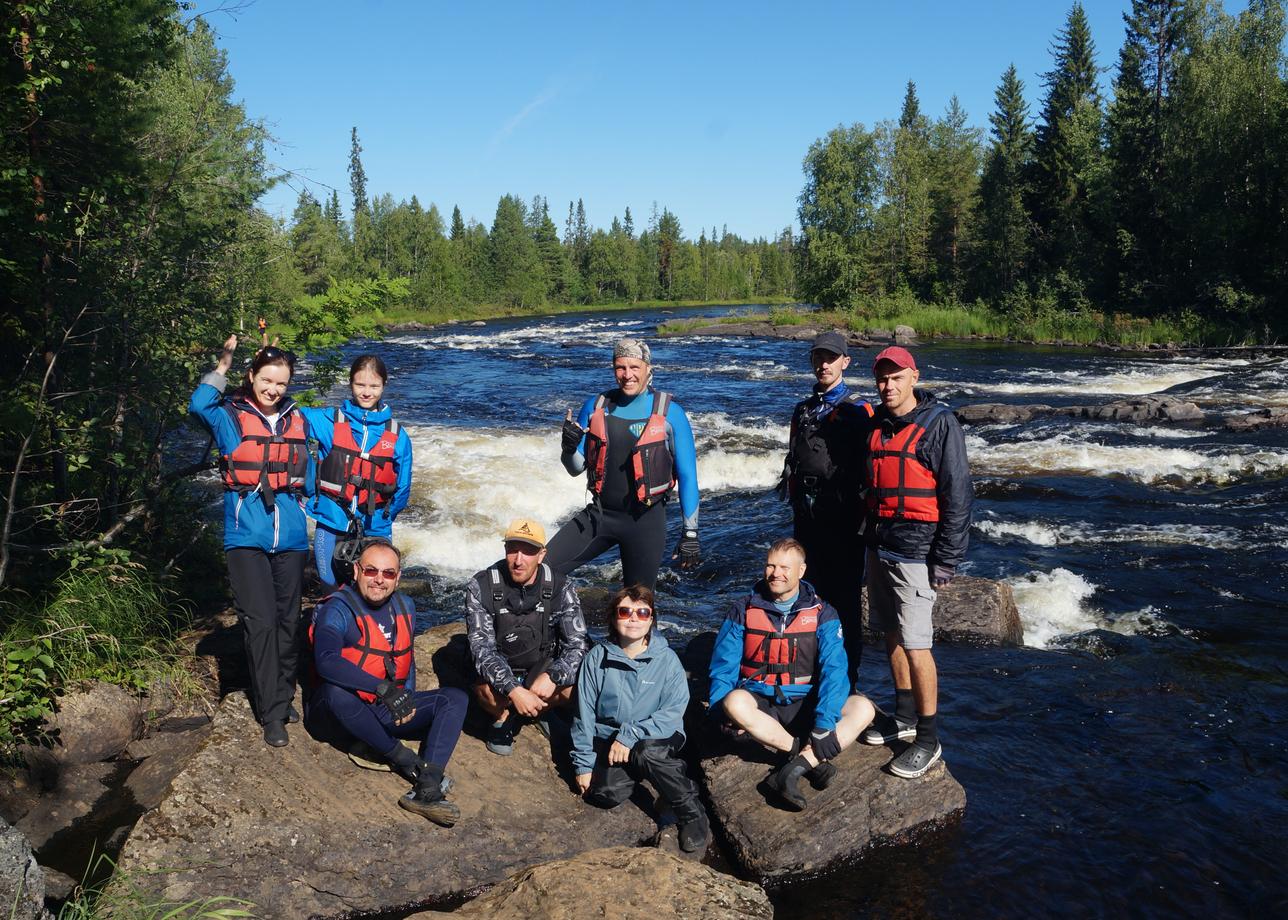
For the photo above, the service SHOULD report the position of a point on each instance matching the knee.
(859, 710)
(341, 703)
(651, 752)
(739, 705)
(606, 796)
(454, 698)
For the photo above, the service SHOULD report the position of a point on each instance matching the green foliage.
(26, 690)
(124, 898)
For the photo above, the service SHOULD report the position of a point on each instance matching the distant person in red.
(918, 524)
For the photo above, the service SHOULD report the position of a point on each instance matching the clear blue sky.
(705, 108)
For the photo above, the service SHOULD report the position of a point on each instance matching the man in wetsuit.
(919, 504)
(778, 675)
(362, 652)
(526, 633)
(823, 479)
(635, 445)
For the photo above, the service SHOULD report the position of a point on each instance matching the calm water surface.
(1129, 760)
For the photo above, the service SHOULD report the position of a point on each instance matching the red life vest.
(901, 486)
(264, 460)
(382, 659)
(348, 471)
(651, 466)
(780, 657)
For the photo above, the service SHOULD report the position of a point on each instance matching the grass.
(119, 898)
(954, 321)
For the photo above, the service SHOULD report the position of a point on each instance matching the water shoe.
(885, 729)
(916, 760)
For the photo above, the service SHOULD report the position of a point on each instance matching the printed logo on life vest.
(810, 620)
(637, 428)
(511, 637)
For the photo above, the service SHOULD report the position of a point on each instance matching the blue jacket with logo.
(627, 699)
(248, 524)
(830, 669)
(368, 425)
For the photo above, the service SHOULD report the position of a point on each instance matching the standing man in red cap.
(823, 480)
(919, 504)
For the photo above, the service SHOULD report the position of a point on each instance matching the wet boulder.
(22, 882)
(998, 414)
(621, 882)
(1274, 417)
(905, 335)
(1142, 409)
(969, 611)
(302, 831)
(863, 806)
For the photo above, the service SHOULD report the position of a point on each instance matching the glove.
(688, 551)
(825, 744)
(941, 575)
(398, 700)
(571, 436)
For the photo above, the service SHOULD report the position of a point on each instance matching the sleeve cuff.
(216, 380)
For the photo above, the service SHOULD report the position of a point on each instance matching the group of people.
(880, 493)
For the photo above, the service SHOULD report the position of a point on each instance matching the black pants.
(266, 588)
(655, 761)
(594, 530)
(834, 555)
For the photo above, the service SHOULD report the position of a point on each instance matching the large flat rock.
(300, 831)
(863, 806)
(624, 883)
(969, 611)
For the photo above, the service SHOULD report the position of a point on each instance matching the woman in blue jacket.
(631, 697)
(364, 473)
(267, 472)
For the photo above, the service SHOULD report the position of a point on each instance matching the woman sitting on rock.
(632, 693)
(364, 472)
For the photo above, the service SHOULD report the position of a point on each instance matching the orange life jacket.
(265, 460)
(348, 471)
(651, 465)
(780, 657)
(901, 486)
(382, 659)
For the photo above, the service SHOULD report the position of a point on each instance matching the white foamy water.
(1150, 464)
(1054, 604)
(1040, 533)
(592, 332)
(469, 483)
(1135, 380)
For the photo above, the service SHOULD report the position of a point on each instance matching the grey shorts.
(900, 598)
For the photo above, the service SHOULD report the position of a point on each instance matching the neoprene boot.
(427, 800)
(785, 780)
(695, 834)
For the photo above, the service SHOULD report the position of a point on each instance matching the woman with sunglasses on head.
(266, 470)
(364, 471)
(631, 697)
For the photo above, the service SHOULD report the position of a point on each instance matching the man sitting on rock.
(779, 674)
(527, 635)
(362, 651)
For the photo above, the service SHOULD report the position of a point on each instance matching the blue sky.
(705, 108)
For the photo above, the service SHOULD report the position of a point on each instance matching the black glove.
(688, 551)
(398, 700)
(572, 435)
(825, 744)
(941, 575)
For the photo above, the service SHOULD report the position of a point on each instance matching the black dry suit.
(521, 617)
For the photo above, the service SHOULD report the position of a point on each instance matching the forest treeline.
(131, 241)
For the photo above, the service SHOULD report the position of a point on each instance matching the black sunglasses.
(273, 353)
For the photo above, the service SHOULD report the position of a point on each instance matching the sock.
(927, 732)
(905, 708)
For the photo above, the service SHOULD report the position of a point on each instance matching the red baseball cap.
(896, 355)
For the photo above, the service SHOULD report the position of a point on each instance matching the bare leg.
(741, 707)
(856, 715)
(924, 679)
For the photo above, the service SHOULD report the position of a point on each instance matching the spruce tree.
(1003, 225)
(628, 223)
(458, 225)
(357, 175)
(904, 220)
(954, 183)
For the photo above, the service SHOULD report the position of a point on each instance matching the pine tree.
(954, 184)
(1003, 226)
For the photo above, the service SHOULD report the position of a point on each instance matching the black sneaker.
(821, 776)
(695, 834)
(916, 760)
(275, 734)
(885, 729)
(428, 802)
(784, 782)
(500, 736)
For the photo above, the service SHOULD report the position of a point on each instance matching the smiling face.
(895, 387)
(378, 586)
(828, 367)
(784, 570)
(367, 388)
(522, 561)
(268, 386)
(632, 375)
(637, 626)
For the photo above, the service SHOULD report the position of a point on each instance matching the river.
(1129, 760)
